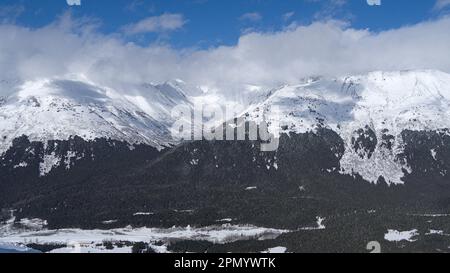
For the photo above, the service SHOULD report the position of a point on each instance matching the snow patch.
(21, 165)
(398, 236)
(143, 213)
(70, 158)
(109, 222)
(225, 220)
(88, 239)
(35, 223)
(194, 162)
(435, 232)
(276, 250)
(320, 225)
(49, 162)
(433, 154)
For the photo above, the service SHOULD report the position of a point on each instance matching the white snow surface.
(49, 162)
(27, 231)
(89, 240)
(276, 250)
(14, 248)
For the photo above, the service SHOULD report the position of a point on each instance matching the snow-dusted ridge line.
(386, 103)
(59, 108)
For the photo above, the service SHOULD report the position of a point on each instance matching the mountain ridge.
(373, 109)
(369, 112)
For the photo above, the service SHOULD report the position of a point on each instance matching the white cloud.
(324, 49)
(73, 2)
(162, 23)
(331, 9)
(288, 15)
(374, 2)
(441, 4)
(264, 59)
(251, 16)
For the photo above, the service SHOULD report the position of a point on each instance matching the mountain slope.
(369, 113)
(57, 109)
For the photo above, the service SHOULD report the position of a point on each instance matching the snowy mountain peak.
(56, 109)
(367, 108)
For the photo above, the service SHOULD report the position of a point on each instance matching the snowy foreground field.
(122, 240)
(32, 236)
(28, 235)
(427, 231)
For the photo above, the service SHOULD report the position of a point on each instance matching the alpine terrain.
(362, 158)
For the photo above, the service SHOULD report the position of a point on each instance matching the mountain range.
(364, 153)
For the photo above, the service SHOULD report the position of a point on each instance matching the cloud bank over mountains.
(331, 48)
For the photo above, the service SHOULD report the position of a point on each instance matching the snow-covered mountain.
(57, 109)
(369, 112)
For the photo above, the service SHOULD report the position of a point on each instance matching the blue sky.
(206, 23)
